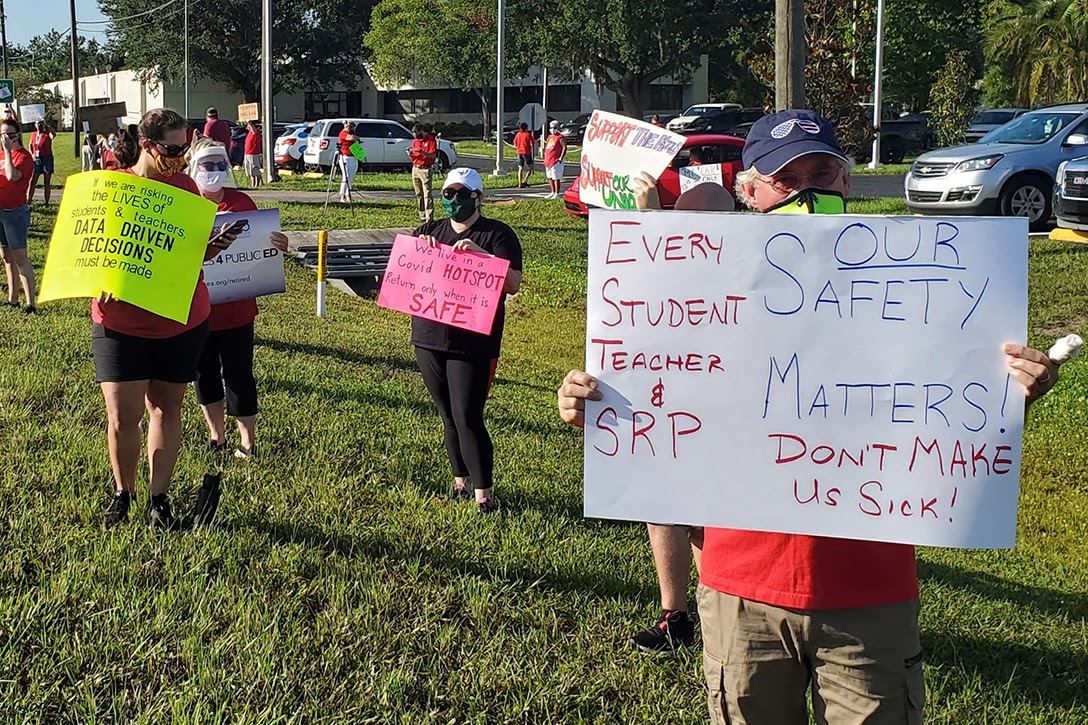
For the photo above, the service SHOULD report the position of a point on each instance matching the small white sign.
(251, 267)
(32, 112)
(827, 375)
(692, 176)
(615, 151)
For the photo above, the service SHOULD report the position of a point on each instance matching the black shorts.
(121, 358)
(525, 161)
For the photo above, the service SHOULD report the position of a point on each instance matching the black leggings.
(459, 388)
(228, 358)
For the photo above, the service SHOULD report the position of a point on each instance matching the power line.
(130, 17)
(118, 29)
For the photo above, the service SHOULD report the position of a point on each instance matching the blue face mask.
(811, 201)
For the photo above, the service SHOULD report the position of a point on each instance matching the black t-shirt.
(495, 238)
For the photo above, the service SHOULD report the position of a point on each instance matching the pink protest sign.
(461, 289)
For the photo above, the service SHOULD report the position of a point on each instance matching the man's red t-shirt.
(229, 315)
(253, 143)
(41, 144)
(426, 145)
(553, 149)
(219, 130)
(807, 572)
(523, 143)
(13, 193)
(131, 320)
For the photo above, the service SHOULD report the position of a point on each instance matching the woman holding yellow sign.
(143, 360)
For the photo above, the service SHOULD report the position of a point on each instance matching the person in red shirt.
(656, 121)
(349, 165)
(106, 153)
(253, 161)
(423, 152)
(41, 148)
(144, 360)
(15, 215)
(228, 354)
(523, 144)
(781, 612)
(217, 129)
(554, 149)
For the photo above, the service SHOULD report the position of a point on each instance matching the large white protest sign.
(251, 267)
(616, 149)
(31, 112)
(692, 176)
(829, 375)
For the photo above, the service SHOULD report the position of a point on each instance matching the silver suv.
(1071, 194)
(1010, 172)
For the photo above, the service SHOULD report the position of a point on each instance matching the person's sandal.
(487, 506)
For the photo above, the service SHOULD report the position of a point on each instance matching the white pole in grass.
(322, 270)
(878, 82)
(499, 85)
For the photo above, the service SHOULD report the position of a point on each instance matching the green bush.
(953, 98)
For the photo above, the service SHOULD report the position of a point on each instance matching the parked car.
(988, 120)
(386, 144)
(510, 129)
(680, 123)
(709, 148)
(725, 121)
(574, 131)
(1010, 172)
(1071, 192)
(902, 134)
(291, 145)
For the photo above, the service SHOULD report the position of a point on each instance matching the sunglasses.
(213, 165)
(822, 178)
(169, 149)
(12, 135)
(463, 194)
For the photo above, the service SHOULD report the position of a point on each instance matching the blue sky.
(27, 18)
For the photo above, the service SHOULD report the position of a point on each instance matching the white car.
(681, 122)
(291, 145)
(386, 144)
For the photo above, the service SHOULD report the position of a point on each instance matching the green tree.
(316, 44)
(629, 44)
(750, 35)
(444, 42)
(1041, 48)
(49, 58)
(918, 37)
(953, 98)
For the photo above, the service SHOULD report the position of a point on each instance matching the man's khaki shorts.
(864, 665)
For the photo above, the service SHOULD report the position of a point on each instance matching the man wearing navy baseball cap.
(782, 613)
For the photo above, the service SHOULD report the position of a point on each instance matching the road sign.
(532, 114)
(249, 112)
(7, 90)
(102, 118)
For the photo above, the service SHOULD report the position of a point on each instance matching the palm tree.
(1041, 47)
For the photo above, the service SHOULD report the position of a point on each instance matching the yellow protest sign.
(141, 240)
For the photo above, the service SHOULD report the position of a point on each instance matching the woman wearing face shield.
(225, 382)
(458, 365)
(143, 360)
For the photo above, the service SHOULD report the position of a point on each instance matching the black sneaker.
(159, 516)
(487, 506)
(671, 632)
(116, 512)
(207, 500)
(462, 492)
(29, 310)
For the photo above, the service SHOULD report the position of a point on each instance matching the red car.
(709, 148)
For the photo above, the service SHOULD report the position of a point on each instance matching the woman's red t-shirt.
(230, 315)
(131, 320)
(253, 144)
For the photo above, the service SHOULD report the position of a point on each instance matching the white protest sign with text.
(251, 267)
(32, 112)
(829, 375)
(692, 176)
(615, 151)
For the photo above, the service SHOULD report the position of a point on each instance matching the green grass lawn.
(387, 181)
(340, 587)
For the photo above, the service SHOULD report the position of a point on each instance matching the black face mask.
(811, 201)
(419, 135)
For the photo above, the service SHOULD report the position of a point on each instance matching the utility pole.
(544, 102)
(878, 82)
(789, 54)
(4, 36)
(499, 83)
(75, 82)
(266, 91)
(187, 62)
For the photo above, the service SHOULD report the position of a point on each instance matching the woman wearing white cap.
(458, 365)
(227, 360)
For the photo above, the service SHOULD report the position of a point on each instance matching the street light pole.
(878, 97)
(266, 90)
(4, 36)
(75, 82)
(499, 83)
